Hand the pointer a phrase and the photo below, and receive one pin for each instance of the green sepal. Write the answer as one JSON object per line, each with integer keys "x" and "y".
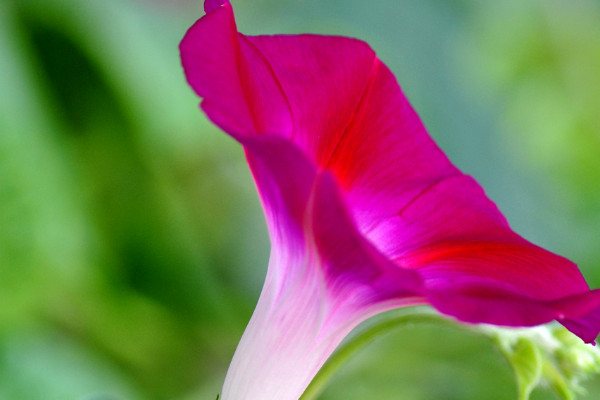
{"x": 526, "y": 361}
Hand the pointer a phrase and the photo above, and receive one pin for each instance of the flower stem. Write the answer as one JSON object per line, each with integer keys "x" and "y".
{"x": 354, "y": 344}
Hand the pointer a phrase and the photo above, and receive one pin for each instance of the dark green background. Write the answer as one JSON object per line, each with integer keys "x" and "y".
{"x": 132, "y": 245}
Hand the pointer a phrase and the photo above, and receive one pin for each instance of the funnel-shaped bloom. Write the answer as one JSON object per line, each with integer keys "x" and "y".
{"x": 364, "y": 211}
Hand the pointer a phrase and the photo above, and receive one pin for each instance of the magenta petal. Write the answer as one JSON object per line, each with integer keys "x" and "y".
{"x": 348, "y": 258}
{"x": 305, "y": 207}
{"x": 586, "y": 327}
{"x": 480, "y": 304}
{"x": 364, "y": 211}
{"x": 211, "y": 5}
{"x": 241, "y": 94}
{"x": 459, "y": 242}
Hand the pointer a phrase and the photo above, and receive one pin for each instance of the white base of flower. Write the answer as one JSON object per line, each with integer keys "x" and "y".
{"x": 285, "y": 344}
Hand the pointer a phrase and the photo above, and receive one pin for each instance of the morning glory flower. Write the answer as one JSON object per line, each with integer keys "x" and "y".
{"x": 365, "y": 213}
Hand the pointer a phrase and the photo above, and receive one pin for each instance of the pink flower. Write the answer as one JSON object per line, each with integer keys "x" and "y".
{"x": 364, "y": 211}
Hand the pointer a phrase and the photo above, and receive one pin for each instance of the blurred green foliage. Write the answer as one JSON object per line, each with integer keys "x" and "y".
{"x": 132, "y": 247}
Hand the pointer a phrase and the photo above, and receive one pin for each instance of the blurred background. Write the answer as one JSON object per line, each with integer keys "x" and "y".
{"x": 132, "y": 244}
